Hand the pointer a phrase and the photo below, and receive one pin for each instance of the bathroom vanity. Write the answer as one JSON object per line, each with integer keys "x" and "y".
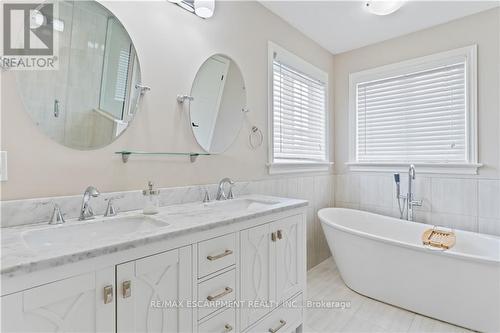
{"x": 227, "y": 266}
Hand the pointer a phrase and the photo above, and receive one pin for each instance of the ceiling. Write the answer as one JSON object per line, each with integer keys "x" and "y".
{"x": 341, "y": 26}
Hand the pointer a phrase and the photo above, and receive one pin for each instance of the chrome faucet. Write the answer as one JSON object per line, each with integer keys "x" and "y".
{"x": 409, "y": 201}
{"x": 86, "y": 212}
{"x": 221, "y": 194}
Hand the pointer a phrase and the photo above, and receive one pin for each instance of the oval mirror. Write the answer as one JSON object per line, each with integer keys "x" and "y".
{"x": 218, "y": 105}
{"x": 92, "y": 96}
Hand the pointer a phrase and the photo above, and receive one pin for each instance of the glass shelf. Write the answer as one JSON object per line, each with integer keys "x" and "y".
{"x": 126, "y": 154}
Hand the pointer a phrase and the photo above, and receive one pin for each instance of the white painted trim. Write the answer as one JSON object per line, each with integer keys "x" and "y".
{"x": 298, "y": 167}
{"x": 296, "y": 62}
{"x": 414, "y": 65}
{"x": 436, "y": 168}
{"x": 276, "y": 167}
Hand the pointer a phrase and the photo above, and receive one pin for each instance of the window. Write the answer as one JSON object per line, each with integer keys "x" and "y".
{"x": 420, "y": 111}
{"x": 298, "y": 114}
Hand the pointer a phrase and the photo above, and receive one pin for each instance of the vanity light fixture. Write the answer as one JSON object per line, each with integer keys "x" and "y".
{"x": 58, "y": 25}
{"x": 37, "y": 19}
{"x": 185, "y": 4}
{"x": 202, "y": 8}
{"x": 383, "y": 7}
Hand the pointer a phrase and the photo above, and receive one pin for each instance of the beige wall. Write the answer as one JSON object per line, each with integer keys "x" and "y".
{"x": 171, "y": 45}
{"x": 482, "y": 29}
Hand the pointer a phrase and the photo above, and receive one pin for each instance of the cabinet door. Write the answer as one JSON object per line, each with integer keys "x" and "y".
{"x": 290, "y": 256}
{"x": 150, "y": 292}
{"x": 76, "y": 304}
{"x": 256, "y": 272}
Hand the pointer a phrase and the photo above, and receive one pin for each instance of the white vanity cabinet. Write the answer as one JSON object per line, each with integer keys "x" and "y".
{"x": 146, "y": 286}
{"x": 83, "y": 303}
{"x": 272, "y": 266}
{"x": 256, "y": 273}
{"x": 290, "y": 257}
{"x": 258, "y": 265}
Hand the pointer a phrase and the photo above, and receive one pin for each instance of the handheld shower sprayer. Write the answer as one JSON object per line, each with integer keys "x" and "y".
{"x": 398, "y": 195}
{"x": 409, "y": 201}
{"x": 398, "y": 184}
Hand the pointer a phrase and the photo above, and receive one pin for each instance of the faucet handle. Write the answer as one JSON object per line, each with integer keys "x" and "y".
{"x": 206, "y": 197}
{"x": 417, "y": 203}
{"x": 230, "y": 194}
{"x": 57, "y": 217}
{"x": 110, "y": 209}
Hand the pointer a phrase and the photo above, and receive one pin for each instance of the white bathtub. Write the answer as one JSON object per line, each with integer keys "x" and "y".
{"x": 383, "y": 258}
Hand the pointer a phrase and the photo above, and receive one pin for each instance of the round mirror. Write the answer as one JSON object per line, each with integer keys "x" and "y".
{"x": 218, "y": 105}
{"x": 91, "y": 97}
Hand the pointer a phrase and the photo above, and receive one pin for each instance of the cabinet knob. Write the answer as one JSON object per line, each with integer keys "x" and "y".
{"x": 108, "y": 294}
{"x": 273, "y": 236}
{"x": 126, "y": 289}
{"x": 228, "y": 328}
{"x": 280, "y": 234}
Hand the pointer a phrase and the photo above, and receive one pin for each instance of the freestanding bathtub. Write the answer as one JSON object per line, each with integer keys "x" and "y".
{"x": 383, "y": 258}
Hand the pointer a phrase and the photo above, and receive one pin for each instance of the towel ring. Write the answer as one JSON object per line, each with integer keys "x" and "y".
{"x": 255, "y": 138}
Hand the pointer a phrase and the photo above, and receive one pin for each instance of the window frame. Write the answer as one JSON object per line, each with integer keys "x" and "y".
{"x": 411, "y": 66}
{"x": 283, "y": 167}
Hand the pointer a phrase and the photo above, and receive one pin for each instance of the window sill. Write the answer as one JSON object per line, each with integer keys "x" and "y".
{"x": 298, "y": 167}
{"x": 442, "y": 168}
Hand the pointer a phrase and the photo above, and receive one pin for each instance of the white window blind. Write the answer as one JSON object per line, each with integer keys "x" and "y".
{"x": 299, "y": 115}
{"x": 417, "y": 117}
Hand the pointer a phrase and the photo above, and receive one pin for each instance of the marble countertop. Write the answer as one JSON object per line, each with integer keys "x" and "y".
{"x": 17, "y": 257}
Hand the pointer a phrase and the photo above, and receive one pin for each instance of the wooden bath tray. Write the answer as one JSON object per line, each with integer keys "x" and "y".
{"x": 439, "y": 238}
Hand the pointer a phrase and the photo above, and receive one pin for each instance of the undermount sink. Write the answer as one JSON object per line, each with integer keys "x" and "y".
{"x": 241, "y": 204}
{"x": 91, "y": 231}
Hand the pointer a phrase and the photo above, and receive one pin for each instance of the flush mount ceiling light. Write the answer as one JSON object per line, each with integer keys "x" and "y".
{"x": 383, "y": 7}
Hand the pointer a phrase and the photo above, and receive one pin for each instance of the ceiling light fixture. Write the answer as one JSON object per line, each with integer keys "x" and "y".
{"x": 204, "y": 8}
{"x": 383, "y": 7}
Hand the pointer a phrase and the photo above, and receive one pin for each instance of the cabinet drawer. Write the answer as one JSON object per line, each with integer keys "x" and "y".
{"x": 224, "y": 322}
{"x": 215, "y": 292}
{"x": 216, "y": 254}
{"x": 284, "y": 319}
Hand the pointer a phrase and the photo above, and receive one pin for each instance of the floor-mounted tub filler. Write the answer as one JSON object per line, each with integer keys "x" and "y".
{"x": 384, "y": 258}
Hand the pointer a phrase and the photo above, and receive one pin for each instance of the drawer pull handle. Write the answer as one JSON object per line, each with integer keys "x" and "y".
{"x": 274, "y": 330}
{"x": 108, "y": 294}
{"x": 126, "y": 289}
{"x": 226, "y": 291}
{"x": 280, "y": 234}
{"x": 228, "y": 328}
{"x": 273, "y": 236}
{"x": 222, "y": 255}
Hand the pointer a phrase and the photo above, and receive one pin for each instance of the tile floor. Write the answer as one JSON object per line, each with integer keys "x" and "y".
{"x": 365, "y": 314}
